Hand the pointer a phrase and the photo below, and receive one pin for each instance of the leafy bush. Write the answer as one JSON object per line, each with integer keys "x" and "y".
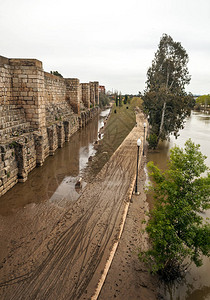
{"x": 178, "y": 233}
{"x": 152, "y": 141}
{"x": 103, "y": 100}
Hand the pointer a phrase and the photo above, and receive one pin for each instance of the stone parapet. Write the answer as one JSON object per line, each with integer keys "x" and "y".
{"x": 20, "y": 62}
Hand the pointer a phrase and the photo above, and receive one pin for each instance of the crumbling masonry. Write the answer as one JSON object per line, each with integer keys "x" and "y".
{"x": 38, "y": 113}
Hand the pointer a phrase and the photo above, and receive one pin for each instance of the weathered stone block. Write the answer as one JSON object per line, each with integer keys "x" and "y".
{"x": 60, "y": 133}
{"x": 2, "y": 172}
{"x": 53, "y": 139}
{"x": 67, "y": 130}
{"x": 4, "y": 179}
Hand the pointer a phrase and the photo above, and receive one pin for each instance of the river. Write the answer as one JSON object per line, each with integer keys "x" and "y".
{"x": 196, "y": 285}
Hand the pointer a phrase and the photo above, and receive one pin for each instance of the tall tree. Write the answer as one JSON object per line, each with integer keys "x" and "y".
{"x": 126, "y": 99}
{"x": 120, "y": 99}
{"x": 165, "y": 99}
{"x": 116, "y": 99}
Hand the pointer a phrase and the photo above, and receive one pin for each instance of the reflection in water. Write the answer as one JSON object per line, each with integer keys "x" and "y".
{"x": 55, "y": 180}
{"x": 202, "y": 294}
{"x": 198, "y": 129}
{"x": 196, "y": 285}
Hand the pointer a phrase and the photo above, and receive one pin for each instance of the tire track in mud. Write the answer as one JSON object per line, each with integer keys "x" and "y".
{"x": 79, "y": 245}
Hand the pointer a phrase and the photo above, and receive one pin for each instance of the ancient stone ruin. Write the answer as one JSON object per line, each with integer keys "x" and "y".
{"x": 38, "y": 113}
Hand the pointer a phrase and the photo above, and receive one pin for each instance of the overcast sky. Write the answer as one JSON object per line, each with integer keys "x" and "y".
{"x": 112, "y": 41}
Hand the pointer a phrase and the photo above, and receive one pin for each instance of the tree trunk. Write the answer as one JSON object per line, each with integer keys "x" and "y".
{"x": 162, "y": 120}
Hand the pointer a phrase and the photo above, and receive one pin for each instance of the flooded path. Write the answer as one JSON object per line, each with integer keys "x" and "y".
{"x": 30, "y": 210}
{"x": 196, "y": 285}
{"x": 55, "y": 180}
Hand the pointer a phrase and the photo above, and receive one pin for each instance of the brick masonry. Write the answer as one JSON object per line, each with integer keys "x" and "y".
{"x": 86, "y": 94}
{"x": 38, "y": 113}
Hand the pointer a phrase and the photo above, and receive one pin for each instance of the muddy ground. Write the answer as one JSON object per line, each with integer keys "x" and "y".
{"x": 128, "y": 278}
{"x": 49, "y": 252}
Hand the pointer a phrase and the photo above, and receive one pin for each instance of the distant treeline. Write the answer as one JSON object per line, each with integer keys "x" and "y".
{"x": 201, "y": 101}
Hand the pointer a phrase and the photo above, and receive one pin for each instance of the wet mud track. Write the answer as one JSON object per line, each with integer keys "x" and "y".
{"x": 70, "y": 260}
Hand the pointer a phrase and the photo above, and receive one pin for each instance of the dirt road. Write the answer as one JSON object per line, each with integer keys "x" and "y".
{"x": 128, "y": 278}
{"x": 70, "y": 260}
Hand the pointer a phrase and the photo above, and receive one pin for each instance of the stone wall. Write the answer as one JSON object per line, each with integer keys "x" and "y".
{"x": 38, "y": 113}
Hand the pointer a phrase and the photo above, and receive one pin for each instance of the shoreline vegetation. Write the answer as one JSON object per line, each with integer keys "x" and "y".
{"x": 115, "y": 111}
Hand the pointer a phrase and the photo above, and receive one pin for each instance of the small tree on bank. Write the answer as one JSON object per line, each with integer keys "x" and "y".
{"x": 165, "y": 99}
{"x": 177, "y": 231}
{"x": 103, "y": 100}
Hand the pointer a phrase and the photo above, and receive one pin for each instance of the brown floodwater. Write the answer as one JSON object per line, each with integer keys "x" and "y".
{"x": 196, "y": 285}
{"x": 54, "y": 182}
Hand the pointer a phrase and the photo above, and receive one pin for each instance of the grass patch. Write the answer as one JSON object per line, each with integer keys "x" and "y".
{"x": 119, "y": 125}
